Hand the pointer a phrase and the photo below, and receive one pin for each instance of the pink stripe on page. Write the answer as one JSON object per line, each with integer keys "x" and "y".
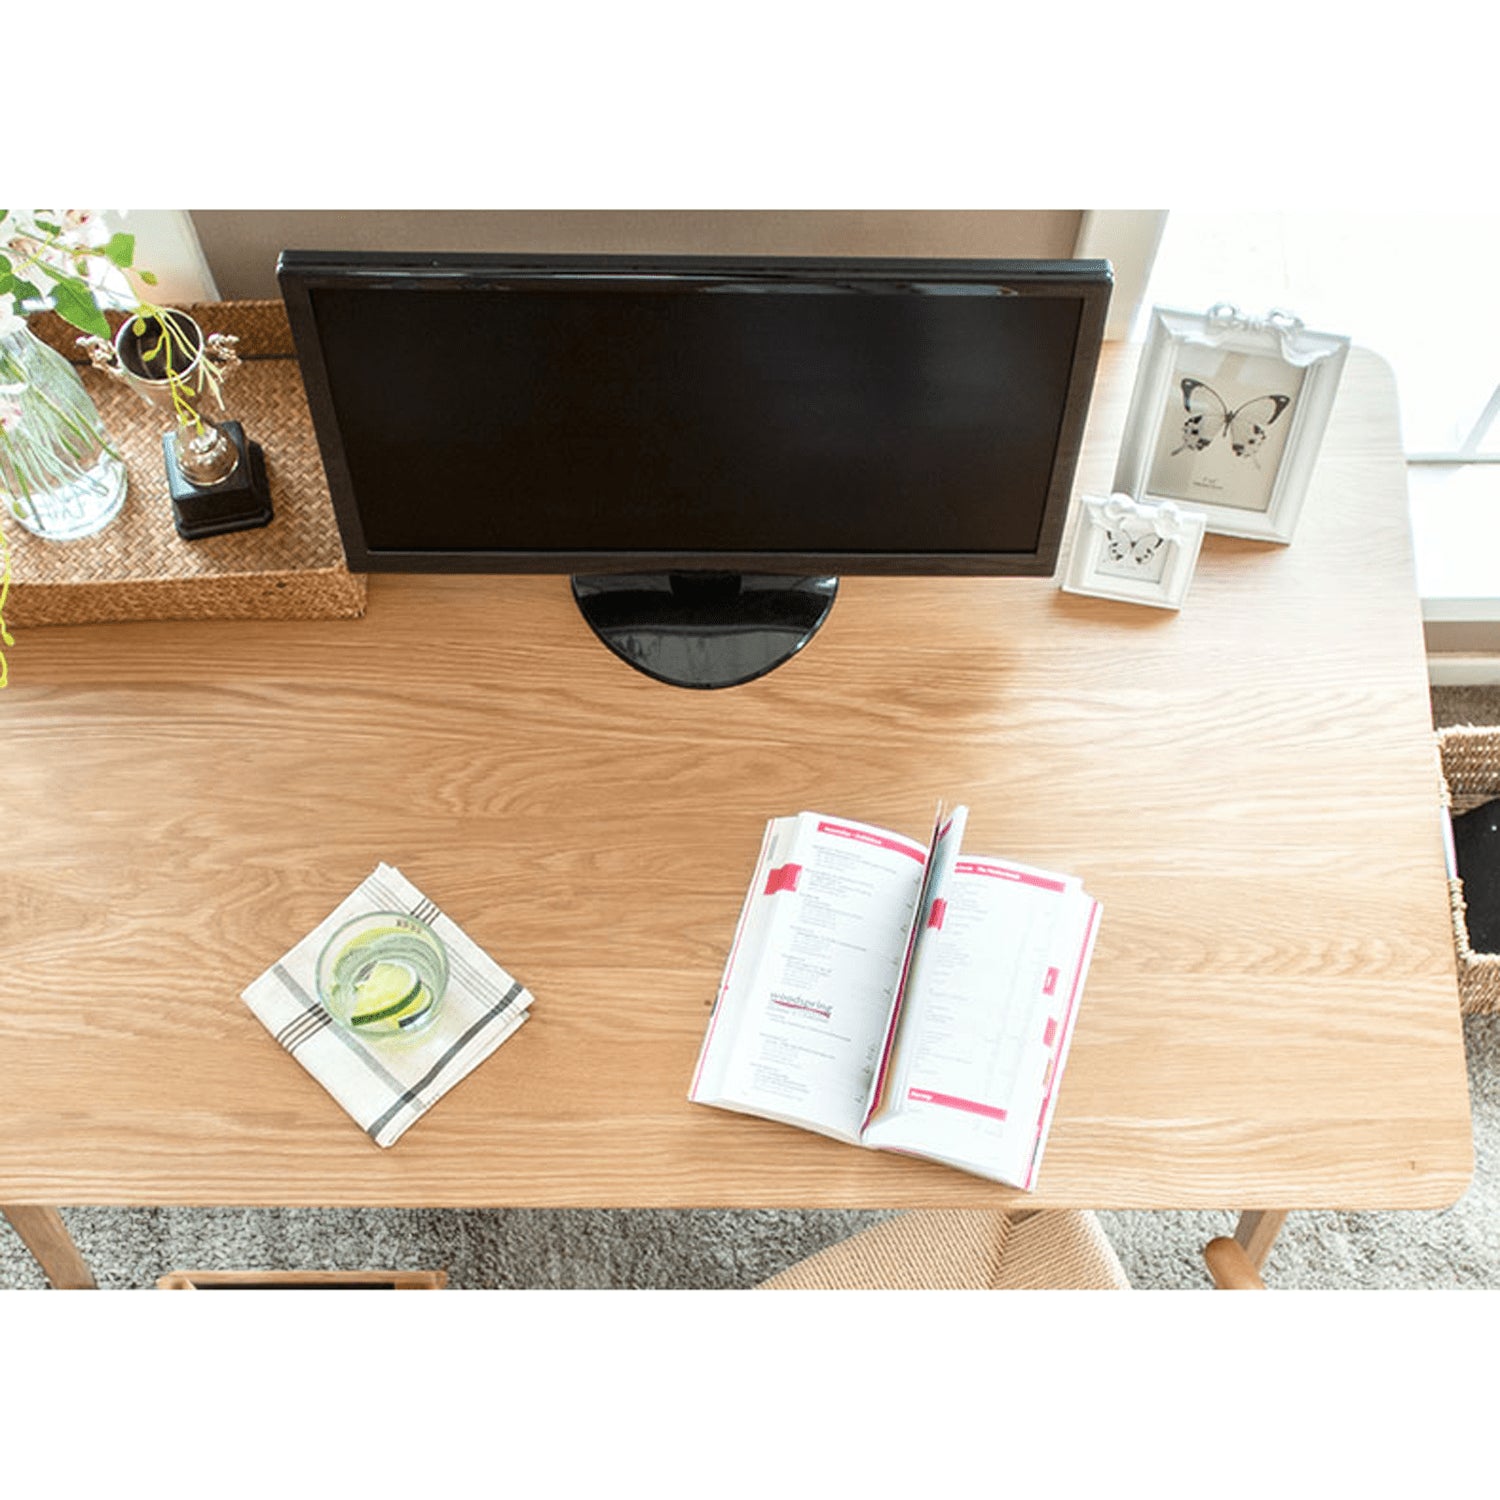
{"x": 971, "y": 1106}
{"x": 1050, "y": 987}
{"x": 938, "y": 912}
{"x": 1004, "y": 872}
{"x": 1050, "y": 1032}
{"x": 783, "y": 878}
{"x": 1055, "y": 1063}
{"x": 859, "y": 835}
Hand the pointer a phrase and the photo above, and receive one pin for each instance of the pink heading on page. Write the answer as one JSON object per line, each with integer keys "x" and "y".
{"x": 971, "y": 1106}
{"x": 938, "y": 912}
{"x": 1003, "y": 872}
{"x": 782, "y": 878}
{"x": 861, "y": 836}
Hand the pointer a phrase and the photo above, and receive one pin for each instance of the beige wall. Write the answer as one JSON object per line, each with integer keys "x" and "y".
{"x": 241, "y": 245}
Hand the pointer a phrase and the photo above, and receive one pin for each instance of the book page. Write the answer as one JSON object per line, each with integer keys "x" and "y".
{"x": 749, "y": 936}
{"x": 802, "y": 1019}
{"x": 982, "y": 1024}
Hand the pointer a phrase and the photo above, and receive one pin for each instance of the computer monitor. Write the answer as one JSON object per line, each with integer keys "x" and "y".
{"x": 704, "y": 443}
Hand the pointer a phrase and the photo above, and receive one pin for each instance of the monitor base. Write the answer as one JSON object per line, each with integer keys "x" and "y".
{"x": 701, "y": 629}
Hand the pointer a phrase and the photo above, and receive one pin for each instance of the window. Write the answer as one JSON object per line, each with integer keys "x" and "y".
{"x": 1417, "y": 288}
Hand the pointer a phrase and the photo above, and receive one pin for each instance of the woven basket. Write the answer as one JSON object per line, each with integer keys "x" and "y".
{"x": 137, "y": 567}
{"x": 1470, "y": 757}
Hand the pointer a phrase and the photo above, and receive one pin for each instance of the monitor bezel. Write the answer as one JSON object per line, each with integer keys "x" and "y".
{"x": 303, "y": 272}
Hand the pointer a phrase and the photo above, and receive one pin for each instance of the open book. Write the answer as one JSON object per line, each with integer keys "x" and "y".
{"x": 899, "y": 996}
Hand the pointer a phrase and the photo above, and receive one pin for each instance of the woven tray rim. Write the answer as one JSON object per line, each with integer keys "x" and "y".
{"x": 129, "y": 568}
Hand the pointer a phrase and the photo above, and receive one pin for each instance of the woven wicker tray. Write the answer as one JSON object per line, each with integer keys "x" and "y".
{"x": 1470, "y": 758}
{"x": 137, "y": 567}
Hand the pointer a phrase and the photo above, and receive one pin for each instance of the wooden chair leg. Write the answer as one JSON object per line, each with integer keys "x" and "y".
{"x": 1256, "y": 1232}
{"x": 43, "y": 1233}
{"x": 1230, "y": 1267}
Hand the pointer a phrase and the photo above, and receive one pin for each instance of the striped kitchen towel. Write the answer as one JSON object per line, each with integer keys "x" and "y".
{"x": 386, "y": 1085}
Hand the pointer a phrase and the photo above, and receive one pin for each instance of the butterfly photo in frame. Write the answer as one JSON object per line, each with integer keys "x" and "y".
{"x": 1133, "y": 551}
{"x": 1227, "y": 416}
{"x": 1209, "y": 417}
{"x": 1133, "y": 556}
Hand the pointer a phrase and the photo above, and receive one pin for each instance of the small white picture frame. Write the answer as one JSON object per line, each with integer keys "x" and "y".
{"x": 1227, "y": 416}
{"x": 1141, "y": 552}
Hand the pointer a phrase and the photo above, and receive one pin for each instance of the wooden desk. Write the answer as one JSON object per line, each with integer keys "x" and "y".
{"x": 1250, "y": 787}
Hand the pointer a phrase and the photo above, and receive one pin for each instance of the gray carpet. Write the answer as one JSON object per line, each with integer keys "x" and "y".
{"x": 131, "y": 1247}
{"x": 568, "y": 1248}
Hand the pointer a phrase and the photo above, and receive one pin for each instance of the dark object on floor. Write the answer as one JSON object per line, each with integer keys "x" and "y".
{"x": 1476, "y": 848}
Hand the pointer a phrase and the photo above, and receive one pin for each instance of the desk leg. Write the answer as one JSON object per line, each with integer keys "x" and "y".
{"x": 1256, "y": 1232}
{"x": 43, "y": 1233}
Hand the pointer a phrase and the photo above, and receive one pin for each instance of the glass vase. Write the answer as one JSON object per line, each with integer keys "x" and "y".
{"x": 58, "y": 475}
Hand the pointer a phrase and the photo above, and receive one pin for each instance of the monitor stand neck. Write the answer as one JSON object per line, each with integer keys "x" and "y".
{"x": 701, "y": 629}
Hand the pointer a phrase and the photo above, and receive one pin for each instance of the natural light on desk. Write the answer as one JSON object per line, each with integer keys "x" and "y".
{"x": 1417, "y": 289}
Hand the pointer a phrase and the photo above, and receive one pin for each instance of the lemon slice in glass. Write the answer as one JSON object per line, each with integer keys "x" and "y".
{"x": 386, "y": 992}
{"x": 383, "y": 974}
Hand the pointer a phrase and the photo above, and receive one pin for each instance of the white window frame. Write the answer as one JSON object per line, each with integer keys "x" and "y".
{"x": 1468, "y": 451}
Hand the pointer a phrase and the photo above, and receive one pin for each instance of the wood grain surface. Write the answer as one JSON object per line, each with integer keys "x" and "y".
{"x": 1249, "y": 786}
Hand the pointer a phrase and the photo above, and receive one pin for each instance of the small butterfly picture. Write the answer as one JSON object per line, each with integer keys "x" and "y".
{"x": 1121, "y": 547}
{"x": 1209, "y": 418}
{"x": 1135, "y": 551}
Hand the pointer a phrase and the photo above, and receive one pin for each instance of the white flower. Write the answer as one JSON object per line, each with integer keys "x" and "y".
{"x": 83, "y": 227}
{"x": 9, "y": 320}
{"x": 10, "y": 413}
{"x": 76, "y": 229}
{"x": 22, "y": 224}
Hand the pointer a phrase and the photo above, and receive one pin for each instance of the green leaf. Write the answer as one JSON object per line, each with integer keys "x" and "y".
{"x": 148, "y": 277}
{"x": 121, "y": 250}
{"x": 24, "y": 291}
{"x": 73, "y": 302}
{"x": 49, "y": 228}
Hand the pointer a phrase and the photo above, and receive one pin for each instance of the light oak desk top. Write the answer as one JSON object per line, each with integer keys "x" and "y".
{"x": 1250, "y": 787}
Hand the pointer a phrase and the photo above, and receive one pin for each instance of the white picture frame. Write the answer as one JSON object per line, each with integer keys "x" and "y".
{"x": 1227, "y": 416}
{"x": 1139, "y": 552}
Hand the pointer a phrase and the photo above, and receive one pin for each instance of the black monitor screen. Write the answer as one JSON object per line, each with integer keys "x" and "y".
{"x": 576, "y": 412}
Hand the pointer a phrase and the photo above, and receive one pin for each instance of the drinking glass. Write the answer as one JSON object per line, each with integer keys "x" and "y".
{"x": 383, "y": 974}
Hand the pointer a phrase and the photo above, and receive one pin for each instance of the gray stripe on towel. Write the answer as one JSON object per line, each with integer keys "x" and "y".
{"x": 442, "y": 1062}
{"x": 352, "y": 1043}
